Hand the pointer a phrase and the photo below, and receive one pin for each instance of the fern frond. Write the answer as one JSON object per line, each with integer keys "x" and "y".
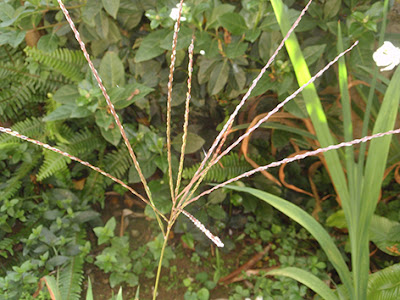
{"x": 13, "y": 185}
{"x": 83, "y": 142}
{"x": 95, "y": 187}
{"x": 53, "y": 162}
{"x": 65, "y": 61}
{"x": 232, "y": 167}
{"x": 117, "y": 162}
{"x": 71, "y": 278}
{"x": 33, "y": 127}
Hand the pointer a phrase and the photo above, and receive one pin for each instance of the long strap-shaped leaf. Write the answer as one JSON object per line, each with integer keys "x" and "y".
{"x": 308, "y": 279}
{"x": 313, "y": 103}
{"x": 316, "y": 112}
{"x": 310, "y": 224}
{"x": 374, "y": 169}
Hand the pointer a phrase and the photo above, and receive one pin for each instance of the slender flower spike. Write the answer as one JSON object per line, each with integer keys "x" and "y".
{"x": 387, "y": 56}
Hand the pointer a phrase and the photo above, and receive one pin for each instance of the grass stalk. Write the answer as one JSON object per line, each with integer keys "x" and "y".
{"x": 161, "y": 260}
{"x": 186, "y": 120}
{"x": 169, "y": 98}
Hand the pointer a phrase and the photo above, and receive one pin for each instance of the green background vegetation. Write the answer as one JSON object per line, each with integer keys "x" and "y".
{"x": 59, "y": 218}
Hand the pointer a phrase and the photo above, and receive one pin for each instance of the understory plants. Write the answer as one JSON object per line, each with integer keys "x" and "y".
{"x": 357, "y": 189}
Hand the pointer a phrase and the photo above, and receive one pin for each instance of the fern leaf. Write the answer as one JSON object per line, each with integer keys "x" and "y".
{"x": 70, "y": 279}
{"x": 232, "y": 166}
{"x": 83, "y": 142}
{"x": 53, "y": 162}
{"x": 117, "y": 162}
{"x": 65, "y": 61}
{"x": 14, "y": 184}
{"x": 33, "y": 128}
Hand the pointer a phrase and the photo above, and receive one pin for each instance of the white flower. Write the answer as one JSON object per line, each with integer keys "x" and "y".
{"x": 202, "y": 52}
{"x": 175, "y": 13}
{"x": 387, "y": 56}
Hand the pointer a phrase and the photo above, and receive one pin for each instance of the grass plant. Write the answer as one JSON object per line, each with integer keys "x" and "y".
{"x": 358, "y": 188}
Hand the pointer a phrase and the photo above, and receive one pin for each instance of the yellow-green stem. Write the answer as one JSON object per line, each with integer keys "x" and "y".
{"x": 161, "y": 259}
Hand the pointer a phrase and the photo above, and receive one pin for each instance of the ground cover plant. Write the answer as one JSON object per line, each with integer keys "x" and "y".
{"x": 57, "y": 244}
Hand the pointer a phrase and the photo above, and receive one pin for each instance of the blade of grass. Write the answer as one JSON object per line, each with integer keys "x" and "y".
{"x": 308, "y": 279}
{"x": 313, "y": 103}
{"x": 309, "y": 223}
{"x": 371, "y": 94}
{"x": 374, "y": 170}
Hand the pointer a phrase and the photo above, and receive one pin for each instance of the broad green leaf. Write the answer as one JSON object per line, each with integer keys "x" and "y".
{"x": 205, "y": 67}
{"x": 239, "y": 76}
{"x": 267, "y": 44}
{"x": 90, "y": 10}
{"x": 309, "y": 223}
{"x": 111, "y": 7}
{"x": 384, "y": 284}
{"x": 60, "y": 113}
{"x": 263, "y": 85}
{"x": 385, "y": 234}
{"x": 331, "y": 8}
{"x": 252, "y": 35}
{"x": 148, "y": 167}
{"x": 184, "y": 39}
{"x": 219, "y": 10}
{"x": 112, "y": 70}
{"x": 122, "y": 97}
{"x": 48, "y": 43}
{"x": 112, "y": 135}
{"x": 66, "y": 94}
{"x": 313, "y": 53}
{"x": 179, "y": 94}
{"x": 235, "y": 49}
{"x": 57, "y": 260}
{"x": 12, "y": 37}
{"x": 7, "y": 13}
{"x": 308, "y": 279}
{"x": 233, "y": 22}
{"x": 102, "y": 24}
{"x": 103, "y": 119}
{"x": 194, "y": 143}
{"x": 218, "y": 77}
{"x": 150, "y": 46}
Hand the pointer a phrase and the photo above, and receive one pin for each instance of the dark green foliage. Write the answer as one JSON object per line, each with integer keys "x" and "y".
{"x": 22, "y": 86}
{"x": 117, "y": 162}
{"x": 67, "y": 62}
{"x": 70, "y": 279}
{"x": 232, "y": 166}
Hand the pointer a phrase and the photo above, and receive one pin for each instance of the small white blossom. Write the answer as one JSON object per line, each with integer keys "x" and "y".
{"x": 202, "y": 52}
{"x": 175, "y": 13}
{"x": 387, "y": 56}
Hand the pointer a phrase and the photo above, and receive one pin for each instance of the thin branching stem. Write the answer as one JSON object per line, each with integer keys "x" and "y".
{"x": 277, "y": 108}
{"x": 85, "y": 163}
{"x": 111, "y": 107}
{"x": 244, "y": 99}
{"x": 294, "y": 158}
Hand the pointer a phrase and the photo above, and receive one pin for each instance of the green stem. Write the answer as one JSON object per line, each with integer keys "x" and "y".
{"x": 161, "y": 260}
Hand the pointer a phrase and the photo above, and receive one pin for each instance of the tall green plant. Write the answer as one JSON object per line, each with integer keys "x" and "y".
{"x": 181, "y": 198}
{"x": 358, "y": 191}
